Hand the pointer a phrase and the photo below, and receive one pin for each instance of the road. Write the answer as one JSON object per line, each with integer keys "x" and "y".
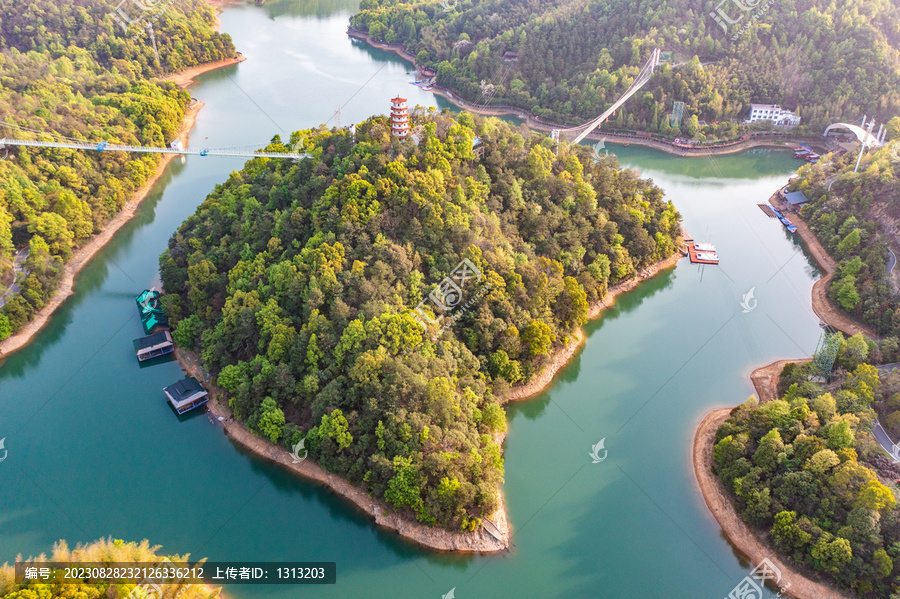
{"x": 885, "y": 441}
{"x": 19, "y": 270}
{"x": 891, "y": 262}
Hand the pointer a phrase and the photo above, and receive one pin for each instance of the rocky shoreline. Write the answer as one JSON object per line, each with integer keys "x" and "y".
{"x": 405, "y": 525}
{"x": 431, "y": 537}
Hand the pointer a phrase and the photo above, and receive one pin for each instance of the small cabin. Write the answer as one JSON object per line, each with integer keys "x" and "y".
{"x": 153, "y": 346}
{"x": 186, "y": 394}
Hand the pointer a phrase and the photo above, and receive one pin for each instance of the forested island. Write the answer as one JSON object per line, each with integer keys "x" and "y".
{"x": 71, "y": 69}
{"x": 321, "y": 293}
{"x": 567, "y": 63}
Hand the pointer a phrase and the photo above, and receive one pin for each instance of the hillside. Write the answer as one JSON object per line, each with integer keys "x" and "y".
{"x": 380, "y": 299}
{"x": 71, "y": 70}
{"x": 805, "y": 472}
{"x": 858, "y": 222}
{"x": 574, "y": 58}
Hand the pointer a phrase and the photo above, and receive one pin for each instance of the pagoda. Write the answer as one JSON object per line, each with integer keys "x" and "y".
{"x": 399, "y": 117}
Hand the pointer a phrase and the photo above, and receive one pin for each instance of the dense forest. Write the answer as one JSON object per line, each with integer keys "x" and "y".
{"x": 379, "y": 299}
{"x": 573, "y": 59}
{"x": 73, "y": 70}
{"x": 104, "y": 551}
{"x": 856, "y": 221}
{"x": 806, "y": 471}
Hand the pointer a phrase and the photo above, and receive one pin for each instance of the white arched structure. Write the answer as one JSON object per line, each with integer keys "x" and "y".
{"x": 862, "y": 135}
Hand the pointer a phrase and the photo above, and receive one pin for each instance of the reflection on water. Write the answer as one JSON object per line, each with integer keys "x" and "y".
{"x": 104, "y": 454}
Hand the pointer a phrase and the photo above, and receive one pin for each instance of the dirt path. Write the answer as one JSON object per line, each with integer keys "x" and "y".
{"x": 739, "y": 534}
{"x": 820, "y": 303}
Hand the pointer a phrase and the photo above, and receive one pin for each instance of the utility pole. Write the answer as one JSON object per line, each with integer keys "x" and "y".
{"x": 864, "y": 141}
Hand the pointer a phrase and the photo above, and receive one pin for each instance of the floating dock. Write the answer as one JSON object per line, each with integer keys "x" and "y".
{"x": 701, "y": 253}
{"x": 153, "y": 346}
{"x": 186, "y": 394}
{"x": 767, "y": 210}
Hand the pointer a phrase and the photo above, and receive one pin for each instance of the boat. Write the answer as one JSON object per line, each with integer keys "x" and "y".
{"x": 186, "y": 395}
{"x": 787, "y": 223}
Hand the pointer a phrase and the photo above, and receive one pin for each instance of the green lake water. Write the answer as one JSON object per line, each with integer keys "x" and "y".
{"x": 95, "y": 451}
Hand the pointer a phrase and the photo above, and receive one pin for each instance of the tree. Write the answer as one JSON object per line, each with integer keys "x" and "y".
{"x": 884, "y": 565}
{"x": 849, "y": 243}
{"x": 840, "y": 435}
{"x": 336, "y": 427}
{"x": 875, "y": 496}
{"x": 230, "y": 377}
{"x": 769, "y": 447}
{"x": 188, "y": 332}
{"x": 821, "y": 462}
{"x": 831, "y": 555}
{"x": 403, "y": 489}
{"x": 495, "y": 417}
{"x": 847, "y": 295}
{"x": 537, "y": 337}
{"x": 271, "y": 420}
{"x": 5, "y": 327}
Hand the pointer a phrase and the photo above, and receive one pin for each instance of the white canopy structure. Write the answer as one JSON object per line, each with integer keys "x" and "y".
{"x": 862, "y": 135}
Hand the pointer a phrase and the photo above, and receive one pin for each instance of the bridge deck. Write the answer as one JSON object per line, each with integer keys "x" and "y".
{"x": 150, "y": 149}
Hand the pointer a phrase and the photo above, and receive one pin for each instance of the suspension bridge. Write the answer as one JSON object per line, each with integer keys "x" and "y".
{"x": 59, "y": 141}
{"x": 581, "y": 131}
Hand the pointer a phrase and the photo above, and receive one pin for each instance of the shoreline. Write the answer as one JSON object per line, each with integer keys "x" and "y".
{"x": 385, "y": 516}
{"x": 820, "y": 302}
{"x": 83, "y": 255}
{"x": 776, "y": 142}
{"x": 765, "y": 381}
{"x": 736, "y": 530}
{"x": 564, "y": 355}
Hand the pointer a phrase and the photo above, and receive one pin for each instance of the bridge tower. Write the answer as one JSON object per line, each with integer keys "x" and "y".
{"x": 825, "y": 354}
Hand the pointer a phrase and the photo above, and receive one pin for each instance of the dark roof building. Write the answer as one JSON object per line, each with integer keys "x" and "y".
{"x": 186, "y": 395}
{"x": 151, "y": 346}
{"x": 796, "y": 197}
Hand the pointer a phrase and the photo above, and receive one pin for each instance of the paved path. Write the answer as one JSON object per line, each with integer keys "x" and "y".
{"x": 885, "y": 441}
{"x": 891, "y": 262}
{"x": 19, "y": 271}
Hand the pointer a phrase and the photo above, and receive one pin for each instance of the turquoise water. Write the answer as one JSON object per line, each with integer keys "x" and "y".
{"x": 95, "y": 451}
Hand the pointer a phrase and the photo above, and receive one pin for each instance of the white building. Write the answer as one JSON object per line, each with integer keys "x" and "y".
{"x": 774, "y": 113}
